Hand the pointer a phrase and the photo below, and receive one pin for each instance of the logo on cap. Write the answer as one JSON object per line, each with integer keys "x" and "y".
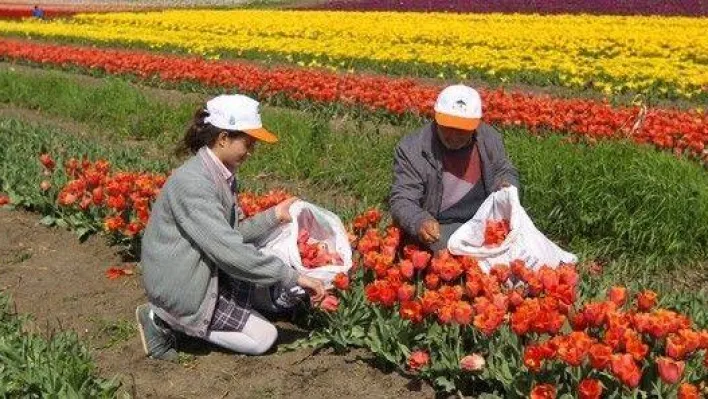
{"x": 460, "y": 105}
{"x": 232, "y": 120}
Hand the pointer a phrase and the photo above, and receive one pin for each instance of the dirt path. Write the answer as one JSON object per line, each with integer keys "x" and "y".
{"x": 61, "y": 282}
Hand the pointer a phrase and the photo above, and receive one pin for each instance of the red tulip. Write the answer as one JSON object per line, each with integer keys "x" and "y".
{"x": 589, "y": 389}
{"x": 463, "y": 313}
{"x": 626, "y": 370}
{"x": 341, "y": 281}
{"x": 47, "y": 162}
{"x": 420, "y": 259}
{"x": 113, "y": 223}
{"x": 688, "y": 391}
{"x": 473, "y": 362}
{"x": 67, "y": 199}
{"x": 618, "y": 295}
{"x": 418, "y": 359}
{"x": 670, "y": 129}
{"x": 329, "y": 304}
{"x": 600, "y": 356}
{"x": 407, "y": 269}
{"x": 432, "y": 281}
{"x": 646, "y": 300}
{"x": 406, "y": 292}
{"x": 543, "y": 391}
{"x": 412, "y": 311}
{"x": 85, "y": 203}
{"x": 495, "y": 232}
{"x": 133, "y": 228}
{"x": 670, "y": 370}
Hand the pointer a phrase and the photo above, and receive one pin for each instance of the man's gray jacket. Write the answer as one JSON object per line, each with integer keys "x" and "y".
{"x": 416, "y": 193}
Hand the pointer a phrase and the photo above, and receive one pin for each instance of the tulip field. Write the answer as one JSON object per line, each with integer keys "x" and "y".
{"x": 692, "y": 8}
{"x": 601, "y": 107}
{"x": 663, "y": 57}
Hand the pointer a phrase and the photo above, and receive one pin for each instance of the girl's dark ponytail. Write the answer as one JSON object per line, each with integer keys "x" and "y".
{"x": 199, "y": 134}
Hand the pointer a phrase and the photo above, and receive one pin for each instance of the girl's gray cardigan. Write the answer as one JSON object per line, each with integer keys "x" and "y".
{"x": 188, "y": 238}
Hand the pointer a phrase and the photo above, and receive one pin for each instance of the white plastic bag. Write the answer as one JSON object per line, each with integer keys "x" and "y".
{"x": 524, "y": 240}
{"x": 323, "y": 226}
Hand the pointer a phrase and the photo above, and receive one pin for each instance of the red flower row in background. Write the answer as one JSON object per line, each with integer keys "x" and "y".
{"x": 18, "y": 11}
{"x": 680, "y": 131}
{"x": 251, "y": 203}
{"x": 122, "y": 200}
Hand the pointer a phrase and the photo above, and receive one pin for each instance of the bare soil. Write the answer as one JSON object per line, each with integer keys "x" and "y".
{"x": 61, "y": 282}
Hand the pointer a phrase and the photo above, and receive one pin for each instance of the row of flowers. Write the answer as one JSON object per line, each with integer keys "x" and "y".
{"x": 9, "y": 11}
{"x": 661, "y": 56}
{"x": 115, "y": 202}
{"x": 61, "y": 9}
{"x": 628, "y": 7}
{"x": 561, "y": 343}
{"x": 675, "y": 130}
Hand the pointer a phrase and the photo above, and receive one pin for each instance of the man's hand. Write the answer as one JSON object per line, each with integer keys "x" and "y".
{"x": 282, "y": 210}
{"x": 502, "y": 184}
{"x": 429, "y": 232}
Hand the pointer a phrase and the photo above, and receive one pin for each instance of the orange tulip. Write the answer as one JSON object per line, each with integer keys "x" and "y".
{"x": 626, "y": 370}
{"x": 600, "y": 356}
{"x": 341, "y": 281}
{"x": 646, "y": 300}
{"x": 463, "y": 313}
{"x": 688, "y": 391}
{"x": 589, "y": 389}
{"x": 412, "y": 311}
{"x": 543, "y": 391}
{"x": 618, "y": 295}
{"x": 418, "y": 359}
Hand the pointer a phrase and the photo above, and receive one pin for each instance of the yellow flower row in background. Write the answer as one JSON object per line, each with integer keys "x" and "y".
{"x": 608, "y": 52}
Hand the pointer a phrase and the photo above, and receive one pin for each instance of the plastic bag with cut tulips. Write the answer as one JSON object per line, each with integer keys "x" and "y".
{"x": 315, "y": 243}
{"x": 501, "y": 231}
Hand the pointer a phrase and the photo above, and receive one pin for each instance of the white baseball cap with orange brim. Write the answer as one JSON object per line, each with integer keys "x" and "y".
{"x": 459, "y": 107}
{"x": 238, "y": 112}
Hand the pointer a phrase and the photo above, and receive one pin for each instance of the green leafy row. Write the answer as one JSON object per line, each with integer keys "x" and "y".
{"x": 32, "y": 366}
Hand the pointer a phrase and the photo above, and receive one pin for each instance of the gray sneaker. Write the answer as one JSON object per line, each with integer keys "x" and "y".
{"x": 158, "y": 341}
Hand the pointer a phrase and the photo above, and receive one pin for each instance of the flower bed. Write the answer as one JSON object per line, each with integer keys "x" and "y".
{"x": 679, "y": 131}
{"x": 511, "y": 333}
{"x": 515, "y": 331}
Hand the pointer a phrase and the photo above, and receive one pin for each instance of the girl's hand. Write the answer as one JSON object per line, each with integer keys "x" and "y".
{"x": 313, "y": 286}
{"x": 282, "y": 210}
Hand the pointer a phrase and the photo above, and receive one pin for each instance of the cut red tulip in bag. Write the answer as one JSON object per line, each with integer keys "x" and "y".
{"x": 315, "y": 243}
{"x": 501, "y": 231}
